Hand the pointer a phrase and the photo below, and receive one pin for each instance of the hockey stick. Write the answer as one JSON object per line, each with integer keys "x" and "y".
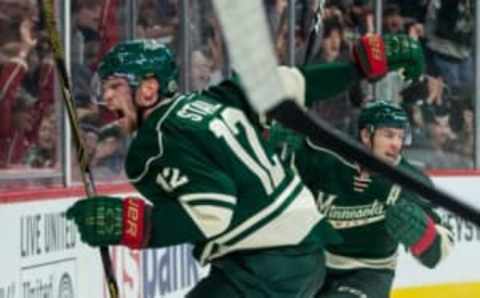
{"x": 257, "y": 67}
{"x": 47, "y": 14}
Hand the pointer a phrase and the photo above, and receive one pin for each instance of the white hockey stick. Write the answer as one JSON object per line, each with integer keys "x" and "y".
{"x": 251, "y": 52}
{"x": 248, "y": 37}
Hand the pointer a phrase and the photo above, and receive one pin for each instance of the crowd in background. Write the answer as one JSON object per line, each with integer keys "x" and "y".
{"x": 440, "y": 106}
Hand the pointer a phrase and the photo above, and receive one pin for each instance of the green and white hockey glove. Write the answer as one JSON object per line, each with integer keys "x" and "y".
{"x": 407, "y": 223}
{"x": 104, "y": 221}
{"x": 404, "y": 54}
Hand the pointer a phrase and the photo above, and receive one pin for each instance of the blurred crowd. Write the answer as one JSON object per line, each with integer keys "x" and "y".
{"x": 440, "y": 106}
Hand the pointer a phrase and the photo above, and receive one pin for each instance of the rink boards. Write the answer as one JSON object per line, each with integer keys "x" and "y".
{"x": 42, "y": 256}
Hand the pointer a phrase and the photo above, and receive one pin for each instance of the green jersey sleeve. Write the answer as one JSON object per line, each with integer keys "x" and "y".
{"x": 324, "y": 81}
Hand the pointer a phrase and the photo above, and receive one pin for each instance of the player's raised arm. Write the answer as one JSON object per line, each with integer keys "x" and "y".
{"x": 372, "y": 57}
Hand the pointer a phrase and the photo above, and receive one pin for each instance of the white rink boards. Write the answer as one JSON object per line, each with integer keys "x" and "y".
{"x": 42, "y": 256}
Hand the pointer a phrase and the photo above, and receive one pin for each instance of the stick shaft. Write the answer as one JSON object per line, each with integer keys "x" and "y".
{"x": 47, "y": 12}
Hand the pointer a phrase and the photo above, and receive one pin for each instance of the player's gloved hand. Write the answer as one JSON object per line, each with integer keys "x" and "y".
{"x": 369, "y": 55}
{"x": 404, "y": 54}
{"x": 104, "y": 221}
{"x": 407, "y": 223}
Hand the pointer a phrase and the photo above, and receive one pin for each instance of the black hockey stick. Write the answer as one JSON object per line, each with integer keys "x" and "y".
{"x": 46, "y": 8}
{"x": 254, "y": 60}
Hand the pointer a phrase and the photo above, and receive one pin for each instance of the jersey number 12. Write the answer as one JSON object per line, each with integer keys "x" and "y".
{"x": 233, "y": 123}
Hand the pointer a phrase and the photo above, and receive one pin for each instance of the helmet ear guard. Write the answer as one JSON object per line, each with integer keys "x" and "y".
{"x": 136, "y": 60}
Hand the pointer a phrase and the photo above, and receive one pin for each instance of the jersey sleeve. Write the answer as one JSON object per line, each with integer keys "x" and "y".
{"x": 324, "y": 81}
{"x": 193, "y": 200}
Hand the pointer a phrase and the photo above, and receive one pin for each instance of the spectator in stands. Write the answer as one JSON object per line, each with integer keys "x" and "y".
{"x": 333, "y": 47}
{"x": 110, "y": 153}
{"x": 442, "y": 139}
{"x": 158, "y": 19}
{"x": 43, "y": 154}
{"x": 86, "y": 105}
{"x": 418, "y": 126}
{"x": 95, "y": 29}
{"x": 89, "y": 130}
{"x": 276, "y": 10}
{"x": 358, "y": 19}
{"x": 207, "y": 60}
{"x": 449, "y": 32}
{"x": 14, "y": 142}
{"x": 216, "y": 49}
{"x": 89, "y": 126}
{"x": 393, "y": 21}
{"x": 465, "y": 143}
{"x": 414, "y": 10}
{"x": 87, "y": 14}
{"x": 437, "y": 100}
{"x": 201, "y": 70}
{"x": 17, "y": 44}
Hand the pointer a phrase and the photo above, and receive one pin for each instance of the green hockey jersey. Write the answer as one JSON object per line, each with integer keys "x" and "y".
{"x": 213, "y": 181}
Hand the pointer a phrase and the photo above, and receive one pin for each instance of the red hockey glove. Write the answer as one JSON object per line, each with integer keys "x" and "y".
{"x": 369, "y": 55}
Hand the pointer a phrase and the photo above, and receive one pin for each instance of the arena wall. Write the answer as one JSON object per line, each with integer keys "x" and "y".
{"x": 42, "y": 255}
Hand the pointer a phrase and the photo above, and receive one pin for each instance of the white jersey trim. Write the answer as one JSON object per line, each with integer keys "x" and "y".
{"x": 211, "y": 219}
{"x": 343, "y": 262}
{"x": 277, "y": 232}
{"x": 209, "y": 196}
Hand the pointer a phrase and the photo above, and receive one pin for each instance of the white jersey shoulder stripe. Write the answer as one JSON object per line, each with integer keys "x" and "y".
{"x": 344, "y": 262}
{"x": 208, "y": 196}
{"x": 210, "y": 219}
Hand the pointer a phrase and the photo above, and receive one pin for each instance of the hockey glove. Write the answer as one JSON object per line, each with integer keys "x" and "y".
{"x": 407, "y": 223}
{"x": 369, "y": 55}
{"x": 404, "y": 54}
{"x": 104, "y": 221}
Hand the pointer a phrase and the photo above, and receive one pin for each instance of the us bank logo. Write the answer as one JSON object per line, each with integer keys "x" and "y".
{"x": 65, "y": 286}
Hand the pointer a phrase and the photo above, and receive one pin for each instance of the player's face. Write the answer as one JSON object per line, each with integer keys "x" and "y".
{"x": 118, "y": 97}
{"x": 386, "y": 143}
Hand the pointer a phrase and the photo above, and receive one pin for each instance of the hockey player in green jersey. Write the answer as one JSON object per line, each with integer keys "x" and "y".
{"x": 210, "y": 178}
{"x": 372, "y": 215}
